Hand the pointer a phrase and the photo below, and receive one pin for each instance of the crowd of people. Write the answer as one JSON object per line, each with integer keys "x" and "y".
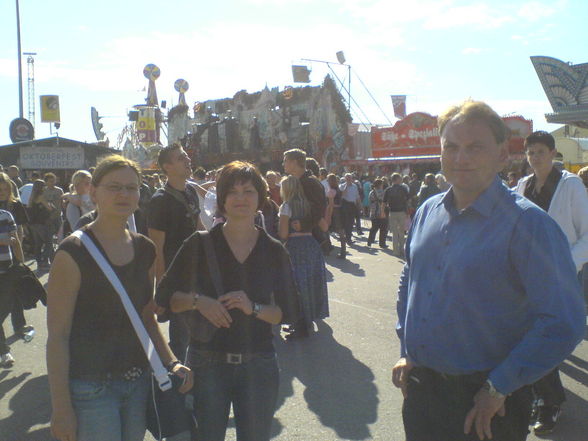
{"x": 488, "y": 305}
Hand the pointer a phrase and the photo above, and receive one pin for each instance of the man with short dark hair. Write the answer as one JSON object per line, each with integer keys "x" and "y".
{"x": 172, "y": 216}
{"x": 488, "y": 300}
{"x": 563, "y": 196}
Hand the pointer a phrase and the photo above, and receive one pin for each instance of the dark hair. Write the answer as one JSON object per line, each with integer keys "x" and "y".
{"x": 35, "y": 175}
{"x": 377, "y": 183}
{"x": 199, "y": 173}
{"x": 296, "y": 155}
{"x": 312, "y": 165}
{"x": 47, "y": 176}
{"x": 163, "y": 157}
{"x": 540, "y": 137}
{"x": 239, "y": 172}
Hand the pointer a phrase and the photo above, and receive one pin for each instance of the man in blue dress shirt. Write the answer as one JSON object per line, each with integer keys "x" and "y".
{"x": 488, "y": 300}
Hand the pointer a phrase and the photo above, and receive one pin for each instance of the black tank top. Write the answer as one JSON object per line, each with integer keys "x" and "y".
{"x": 102, "y": 339}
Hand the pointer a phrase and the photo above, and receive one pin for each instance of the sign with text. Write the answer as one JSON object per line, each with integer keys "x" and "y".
{"x": 51, "y": 158}
{"x": 417, "y": 134}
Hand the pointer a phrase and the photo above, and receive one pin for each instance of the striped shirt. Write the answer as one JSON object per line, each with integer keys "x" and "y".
{"x": 7, "y": 229}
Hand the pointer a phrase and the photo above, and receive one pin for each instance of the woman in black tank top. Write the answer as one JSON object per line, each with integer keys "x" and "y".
{"x": 99, "y": 375}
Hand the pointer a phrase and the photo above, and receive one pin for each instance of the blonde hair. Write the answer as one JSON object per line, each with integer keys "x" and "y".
{"x": 293, "y": 194}
{"x": 5, "y": 179}
{"x": 471, "y": 110}
{"x": 77, "y": 178}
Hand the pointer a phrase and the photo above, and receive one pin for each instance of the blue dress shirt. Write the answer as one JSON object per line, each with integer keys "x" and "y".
{"x": 489, "y": 288}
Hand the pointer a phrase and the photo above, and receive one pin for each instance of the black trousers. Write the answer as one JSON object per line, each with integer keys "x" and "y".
{"x": 6, "y": 306}
{"x": 348, "y": 211}
{"x": 380, "y": 225}
{"x": 549, "y": 389}
{"x": 436, "y": 407}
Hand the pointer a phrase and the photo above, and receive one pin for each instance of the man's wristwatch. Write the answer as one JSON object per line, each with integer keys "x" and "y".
{"x": 256, "y": 310}
{"x": 195, "y": 301}
{"x": 489, "y": 387}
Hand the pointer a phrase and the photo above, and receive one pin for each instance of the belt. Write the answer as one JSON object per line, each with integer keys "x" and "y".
{"x": 479, "y": 376}
{"x": 130, "y": 375}
{"x": 229, "y": 357}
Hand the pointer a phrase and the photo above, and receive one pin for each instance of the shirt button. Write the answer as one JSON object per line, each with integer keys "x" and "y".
{"x": 446, "y": 243}
{"x": 429, "y": 293}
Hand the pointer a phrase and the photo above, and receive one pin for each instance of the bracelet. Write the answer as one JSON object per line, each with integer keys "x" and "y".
{"x": 171, "y": 365}
{"x": 195, "y": 301}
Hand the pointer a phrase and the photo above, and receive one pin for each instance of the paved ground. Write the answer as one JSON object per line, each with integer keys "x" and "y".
{"x": 334, "y": 386}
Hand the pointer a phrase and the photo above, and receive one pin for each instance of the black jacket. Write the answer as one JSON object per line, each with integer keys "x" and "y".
{"x": 26, "y": 286}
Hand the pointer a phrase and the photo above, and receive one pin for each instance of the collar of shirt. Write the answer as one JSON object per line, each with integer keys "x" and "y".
{"x": 484, "y": 204}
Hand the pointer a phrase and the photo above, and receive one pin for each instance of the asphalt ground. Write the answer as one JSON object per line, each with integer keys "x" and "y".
{"x": 335, "y": 385}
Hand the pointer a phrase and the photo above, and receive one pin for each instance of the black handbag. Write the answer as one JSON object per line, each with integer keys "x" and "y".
{"x": 200, "y": 327}
{"x": 169, "y": 412}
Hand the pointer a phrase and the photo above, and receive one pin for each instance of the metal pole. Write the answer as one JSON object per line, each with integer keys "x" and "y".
{"x": 349, "y": 90}
{"x": 20, "y": 103}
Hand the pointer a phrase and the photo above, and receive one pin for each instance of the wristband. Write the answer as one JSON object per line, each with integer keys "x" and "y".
{"x": 171, "y": 365}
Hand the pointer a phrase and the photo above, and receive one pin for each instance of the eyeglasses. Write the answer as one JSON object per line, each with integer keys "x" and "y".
{"x": 117, "y": 188}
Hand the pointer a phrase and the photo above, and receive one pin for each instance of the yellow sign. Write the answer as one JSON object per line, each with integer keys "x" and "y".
{"x": 146, "y": 126}
{"x": 50, "y": 108}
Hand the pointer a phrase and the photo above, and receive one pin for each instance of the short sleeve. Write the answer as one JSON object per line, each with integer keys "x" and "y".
{"x": 285, "y": 291}
{"x": 157, "y": 213}
{"x": 285, "y": 210}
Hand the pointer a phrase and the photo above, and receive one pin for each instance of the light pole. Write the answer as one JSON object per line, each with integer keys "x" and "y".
{"x": 20, "y": 103}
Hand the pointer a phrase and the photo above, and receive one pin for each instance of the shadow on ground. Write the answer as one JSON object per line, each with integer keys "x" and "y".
{"x": 29, "y": 407}
{"x": 339, "y": 389}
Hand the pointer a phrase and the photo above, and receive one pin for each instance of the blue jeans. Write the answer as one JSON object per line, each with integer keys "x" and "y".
{"x": 112, "y": 410}
{"x": 251, "y": 387}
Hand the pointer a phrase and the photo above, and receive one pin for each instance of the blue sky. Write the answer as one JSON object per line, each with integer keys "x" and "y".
{"x": 436, "y": 52}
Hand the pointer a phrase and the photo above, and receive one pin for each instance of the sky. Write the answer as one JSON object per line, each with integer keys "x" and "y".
{"x": 437, "y": 52}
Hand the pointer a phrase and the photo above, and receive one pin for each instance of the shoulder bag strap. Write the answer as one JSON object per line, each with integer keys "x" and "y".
{"x": 159, "y": 371}
{"x": 212, "y": 261}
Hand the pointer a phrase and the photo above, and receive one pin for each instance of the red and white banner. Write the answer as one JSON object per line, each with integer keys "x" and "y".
{"x": 418, "y": 135}
{"x": 399, "y": 104}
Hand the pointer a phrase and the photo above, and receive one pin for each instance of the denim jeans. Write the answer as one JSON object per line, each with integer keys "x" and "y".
{"x": 251, "y": 387}
{"x": 112, "y": 410}
{"x": 43, "y": 234}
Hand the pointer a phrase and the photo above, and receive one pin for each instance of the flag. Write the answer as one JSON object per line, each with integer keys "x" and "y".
{"x": 399, "y": 104}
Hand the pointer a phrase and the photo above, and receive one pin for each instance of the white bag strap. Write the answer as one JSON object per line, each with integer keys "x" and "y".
{"x": 159, "y": 370}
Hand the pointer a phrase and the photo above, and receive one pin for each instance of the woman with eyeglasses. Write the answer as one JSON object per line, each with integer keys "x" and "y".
{"x": 99, "y": 376}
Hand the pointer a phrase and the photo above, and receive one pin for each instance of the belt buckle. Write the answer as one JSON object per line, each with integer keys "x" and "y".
{"x": 234, "y": 358}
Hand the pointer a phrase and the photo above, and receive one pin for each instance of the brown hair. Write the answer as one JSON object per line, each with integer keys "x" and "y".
{"x": 239, "y": 172}
{"x": 475, "y": 111}
{"x": 48, "y": 176}
{"x": 296, "y": 155}
{"x": 112, "y": 163}
{"x": 164, "y": 155}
